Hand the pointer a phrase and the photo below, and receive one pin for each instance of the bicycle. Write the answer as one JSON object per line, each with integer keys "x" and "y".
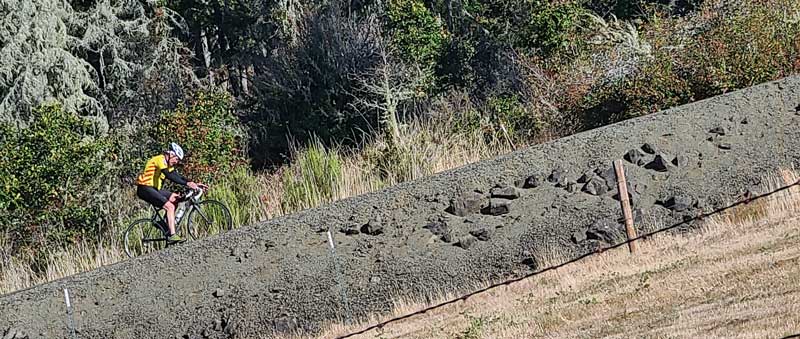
{"x": 204, "y": 218}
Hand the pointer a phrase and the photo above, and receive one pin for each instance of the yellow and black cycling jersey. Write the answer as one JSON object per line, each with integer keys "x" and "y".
{"x": 156, "y": 170}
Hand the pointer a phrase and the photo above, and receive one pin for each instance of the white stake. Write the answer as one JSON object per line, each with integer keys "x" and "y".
{"x": 70, "y": 321}
{"x": 330, "y": 240}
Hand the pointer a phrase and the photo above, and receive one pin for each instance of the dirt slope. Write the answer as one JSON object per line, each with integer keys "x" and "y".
{"x": 409, "y": 240}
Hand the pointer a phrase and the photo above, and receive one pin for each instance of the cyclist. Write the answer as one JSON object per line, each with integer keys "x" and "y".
{"x": 149, "y": 185}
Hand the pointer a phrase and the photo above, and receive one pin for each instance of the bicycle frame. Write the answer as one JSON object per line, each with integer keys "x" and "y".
{"x": 186, "y": 204}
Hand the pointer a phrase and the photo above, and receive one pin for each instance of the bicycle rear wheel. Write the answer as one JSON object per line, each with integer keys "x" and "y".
{"x": 142, "y": 237}
{"x": 209, "y": 217}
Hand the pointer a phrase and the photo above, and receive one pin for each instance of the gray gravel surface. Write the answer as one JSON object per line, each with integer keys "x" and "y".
{"x": 450, "y": 232}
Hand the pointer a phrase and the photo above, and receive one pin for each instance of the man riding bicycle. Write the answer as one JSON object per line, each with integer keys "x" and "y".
{"x": 149, "y": 185}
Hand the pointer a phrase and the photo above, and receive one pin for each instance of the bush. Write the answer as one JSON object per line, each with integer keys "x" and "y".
{"x": 208, "y": 131}
{"x": 415, "y": 32}
{"x": 52, "y": 176}
{"x": 312, "y": 179}
{"x": 757, "y": 43}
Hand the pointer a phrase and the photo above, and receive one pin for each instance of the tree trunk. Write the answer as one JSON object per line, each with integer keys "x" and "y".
{"x": 206, "y": 53}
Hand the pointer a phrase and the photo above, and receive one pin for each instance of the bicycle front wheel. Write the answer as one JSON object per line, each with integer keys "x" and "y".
{"x": 209, "y": 217}
{"x": 142, "y": 237}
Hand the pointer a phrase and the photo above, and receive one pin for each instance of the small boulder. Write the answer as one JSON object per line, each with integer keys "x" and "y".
{"x": 660, "y": 163}
{"x": 218, "y": 293}
{"x": 606, "y": 230}
{"x": 595, "y": 186}
{"x": 439, "y": 228}
{"x": 532, "y": 181}
{"x": 681, "y": 161}
{"x": 718, "y": 130}
{"x": 724, "y": 146}
{"x": 557, "y": 176}
{"x": 678, "y": 203}
{"x": 504, "y": 192}
{"x": 531, "y": 263}
{"x": 497, "y": 207}
{"x": 373, "y": 227}
{"x": 608, "y": 174}
{"x": 588, "y": 175}
{"x": 467, "y": 203}
{"x": 578, "y": 237}
{"x": 481, "y": 234}
{"x": 572, "y": 187}
{"x": 465, "y": 242}
{"x": 649, "y": 148}
{"x": 349, "y": 230}
{"x": 635, "y": 157}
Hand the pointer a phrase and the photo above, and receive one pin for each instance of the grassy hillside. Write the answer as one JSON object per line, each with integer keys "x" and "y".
{"x": 737, "y": 278}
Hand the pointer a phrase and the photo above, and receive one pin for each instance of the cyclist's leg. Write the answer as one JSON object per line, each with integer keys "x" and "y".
{"x": 169, "y": 206}
{"x": 152, "y": 196}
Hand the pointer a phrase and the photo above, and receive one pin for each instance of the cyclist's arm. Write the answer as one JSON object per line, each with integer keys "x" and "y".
{"x": 176, "y": 178}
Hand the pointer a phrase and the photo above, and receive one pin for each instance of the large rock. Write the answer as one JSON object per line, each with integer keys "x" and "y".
{"x": 578, "y": 237}
{"x": 678, "y": 203}
{"x": 595, "y": 186}
{"x": 504, "y": 192}
{"x": 661, "y": 163}
{"x": 681, "y": 161}
{"x": 649, "y": 148}
{"x": 439, "y": 228}
{"x": 606, "y": 230}
{"x": 497, "y": 207}
{"x": 532, "y": 181}
{"x": 467, "y": 203}
{"x": 558, "y": 176}
{"x": 481, "y": 234}
{"x": 635, "y": 157}
{"x": 465, "y": 242}
{"x": 373, "y": 227}
{"x": 608, "y": 173}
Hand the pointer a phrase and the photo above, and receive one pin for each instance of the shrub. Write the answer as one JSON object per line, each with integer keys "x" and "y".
{"x": 657, "y": 86}
{"x": 52, "y": 176}
{"x": 415, "y": 32}
{"x": 313, "y": 178}
{"x": 208, "y": 131}
{"x": 757, "y": 43}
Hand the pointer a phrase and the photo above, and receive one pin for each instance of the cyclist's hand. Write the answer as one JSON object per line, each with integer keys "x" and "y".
{"x": 203, "y": 186}
{"x": 192, "y": 185}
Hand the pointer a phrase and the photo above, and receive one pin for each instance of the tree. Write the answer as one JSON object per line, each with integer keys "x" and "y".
{"x": 36, "y": 63}
{"x": 383, "y": 89}
{"x": 141, "y": 67}
{"x": 53, "y": 175}
{"x": 306, "y": 88}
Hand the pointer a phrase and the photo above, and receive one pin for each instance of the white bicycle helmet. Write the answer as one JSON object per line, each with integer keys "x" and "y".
{"x": 175, "y": 148}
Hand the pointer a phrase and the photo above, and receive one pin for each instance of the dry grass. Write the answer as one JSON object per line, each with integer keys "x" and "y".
{"x": 737, "y": 278}
{"x": 17, "y": 274}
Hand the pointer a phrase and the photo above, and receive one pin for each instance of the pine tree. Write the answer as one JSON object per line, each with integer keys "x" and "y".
{"x": 36, "y": 64}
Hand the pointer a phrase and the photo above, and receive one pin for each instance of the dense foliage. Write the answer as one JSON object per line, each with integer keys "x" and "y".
{"x": 53, "y": 177}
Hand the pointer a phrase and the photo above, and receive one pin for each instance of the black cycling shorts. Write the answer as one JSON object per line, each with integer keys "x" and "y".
{"x": 155, "y": 197}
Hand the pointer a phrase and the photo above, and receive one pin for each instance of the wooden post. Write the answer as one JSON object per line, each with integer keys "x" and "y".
{"x": 626, "y": 204}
